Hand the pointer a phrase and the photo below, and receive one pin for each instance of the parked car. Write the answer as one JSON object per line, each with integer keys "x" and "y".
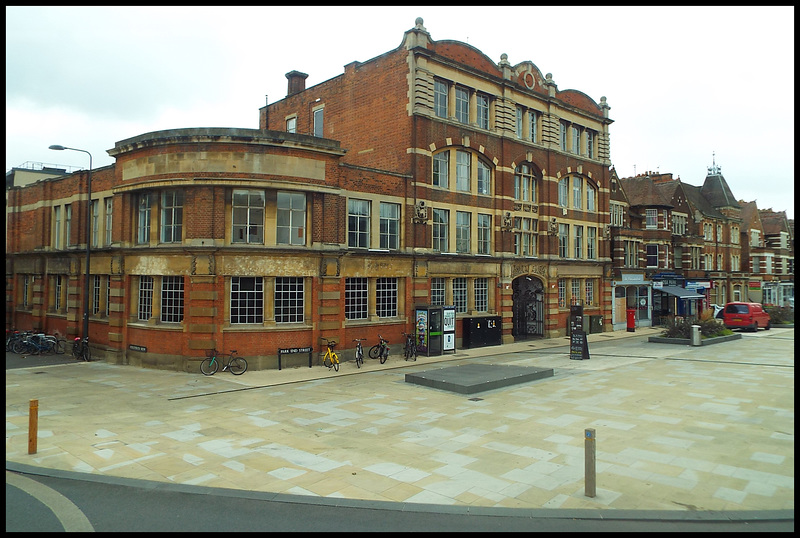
{"x": 746, "y": 316}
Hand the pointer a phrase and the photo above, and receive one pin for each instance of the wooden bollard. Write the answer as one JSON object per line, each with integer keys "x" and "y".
{"x": 33, "y": 426}
{"x": 590, "y": 458}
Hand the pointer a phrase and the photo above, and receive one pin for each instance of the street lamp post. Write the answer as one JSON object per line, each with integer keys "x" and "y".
{"x": 88, "y": 241}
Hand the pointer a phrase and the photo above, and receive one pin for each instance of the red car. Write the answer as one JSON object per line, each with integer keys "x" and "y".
{"x": 745, "y": 316}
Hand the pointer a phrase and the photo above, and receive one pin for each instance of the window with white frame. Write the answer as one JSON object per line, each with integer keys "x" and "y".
{"x": 358, "y": 219}
{"x": 652, "y": 255}
{"x": 678, "y": 257}
{"x": 463, "y": 171}
{"x": 651, "y": 216}
{"x": 562, "y": 292}
{"x": 518, "y": 124}
{"x": 289, "y": 300}
{"x": 591, "y": 197}
{"x": 386, "y": 297}
{"x": 109, "y": 219}
{"x": 631, "y": 253}
{"x": 578, "y": 241}
{"x": 247, "y": 223}
{"x": 389, "y": 226}
{"x": 172, "y": 299}
{"x": 590, "y": 144}
{"x": 665, "y": 218}
{"x": 617, "y": 214}
{"x": 68, "y": 224}
{"x": 589, "y": 300}
{"x": 481, "y": 287}
{"x": 755, "y": 238}
{"x": 172, "y": 216}
{"x": 482, "y": 103}
{"x": 696, "y": 257}
{"x": 57, "y": 227}
{"x": 484, "y": 234}
{"x": 577, "y": 193}
{"x": 735, "y": 235}
{"x": 679, "y": 224}
{"x": 319, "y": 119}
{"x": 462, "y": 104}
{"x": 719, "y": 262}
{"x": 441, "y": 169}
{"x": 59, "y": 290}
{"x": 440, "y": 89}
{"x": 95, "y": 295}
{"x": 533, "y": 119}
{"x": 575, "y": 297}
{"x": 737, "y": 292}
{"x": 247, "y": 300}
{"x": 719, "y": 232}
{"x": 525, "y": 234}
{"x": 26, "y": 291}
{"x": 562, "y": 131}
{"x": 591, "y": 242}
{"x": 95, "y": 223}
{"x": 575, "y": 146}
{"x": 563, "y": 240}
{"x": 484, "y": 178}
{"x": 708, "y": 261}
{"x": 145, "y": 298}
{"x": 291, "y": 124}
{"x": 462, "y": 231}
{"x": 290, "y": 218}
{"x": 440, "y": 230}
{"x": 708, "y": 231}
{"x": 107, "y": 308}
{"x": 143, "y": 219}
{"x": 563, "y": 192}
{"x": 768, "y": 264}
{"x": 525, "y": 183}
{"x": 460, "y": 294}
{"x": 355, "y": 298}
{"x": 437, "y": 291}
{"x": 735, "y": 261}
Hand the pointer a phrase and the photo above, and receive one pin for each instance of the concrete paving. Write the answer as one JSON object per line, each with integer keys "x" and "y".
{"x": 678, "y": 428}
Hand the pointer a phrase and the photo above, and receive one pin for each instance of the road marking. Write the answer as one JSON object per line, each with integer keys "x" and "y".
{"x": 70, "y": 516}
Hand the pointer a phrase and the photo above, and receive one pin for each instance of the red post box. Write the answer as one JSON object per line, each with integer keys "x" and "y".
{"x": 631, "y": 319}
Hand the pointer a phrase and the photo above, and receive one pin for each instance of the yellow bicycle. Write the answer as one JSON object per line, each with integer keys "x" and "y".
{"x": 330, "y": 359}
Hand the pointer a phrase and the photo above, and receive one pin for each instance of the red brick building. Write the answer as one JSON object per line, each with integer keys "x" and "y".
{"x": 427, "y": 176}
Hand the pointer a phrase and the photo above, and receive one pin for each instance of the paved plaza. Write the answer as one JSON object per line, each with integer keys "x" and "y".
{"x": 678, "y": 427}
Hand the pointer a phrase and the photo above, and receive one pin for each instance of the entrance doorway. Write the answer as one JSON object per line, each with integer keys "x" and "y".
{"x": 528, "y": 307}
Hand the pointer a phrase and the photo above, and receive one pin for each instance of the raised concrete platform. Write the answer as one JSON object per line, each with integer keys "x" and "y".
{"x": 472, "y": 378}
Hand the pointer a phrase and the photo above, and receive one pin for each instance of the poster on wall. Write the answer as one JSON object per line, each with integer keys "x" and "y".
{"x": 449, "y": 328}
{"x": 422, "y": 330}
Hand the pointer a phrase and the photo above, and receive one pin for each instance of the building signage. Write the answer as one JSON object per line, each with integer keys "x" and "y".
{"x": 578, "y": 346}
{"x": 295, "y": 349}
{"x": 137, "y": 348}
{"x": 755, "y": 285}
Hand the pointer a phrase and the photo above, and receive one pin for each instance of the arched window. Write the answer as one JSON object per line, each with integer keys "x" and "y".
{"x": 563, "y": 192}
{"x": 472, "y": 174}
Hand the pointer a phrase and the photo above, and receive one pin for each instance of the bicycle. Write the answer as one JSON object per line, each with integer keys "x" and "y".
{"x": 380, "y": 350}
{"x": 210, "y": 365}
{"x": 80, "y": 349}
{"x": 330, "y": 359}
{"x": 410, "y": 347}
{"x": 359, "y": 351}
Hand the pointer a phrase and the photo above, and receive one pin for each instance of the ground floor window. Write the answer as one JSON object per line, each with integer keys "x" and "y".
{"x": 247, "y": 300}
{"x": 172, "y": 299}
{"x": 289, "y": 300}
{"x": 145, "y": 302}
{"x": 386, "y": 297}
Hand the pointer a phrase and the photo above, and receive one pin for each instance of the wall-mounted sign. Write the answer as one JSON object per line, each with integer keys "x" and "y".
{"x": 137, "y": 348}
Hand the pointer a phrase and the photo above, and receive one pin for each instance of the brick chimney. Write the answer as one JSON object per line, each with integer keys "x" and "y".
{"x": 297, "y": 82}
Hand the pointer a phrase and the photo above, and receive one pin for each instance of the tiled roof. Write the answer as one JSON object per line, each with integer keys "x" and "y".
{"x": 642, "y": 191}
{"x": 715, "y": 189}
{"x": 750, "y": 215}
{"x": 699, "y": 202}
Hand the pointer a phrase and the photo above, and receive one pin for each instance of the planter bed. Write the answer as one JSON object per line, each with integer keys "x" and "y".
{"x": 688, "y": 341}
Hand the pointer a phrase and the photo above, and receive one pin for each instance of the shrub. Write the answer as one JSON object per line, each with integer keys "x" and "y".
{"x": 682, "y": 327}
{"x": 780, "y": 314}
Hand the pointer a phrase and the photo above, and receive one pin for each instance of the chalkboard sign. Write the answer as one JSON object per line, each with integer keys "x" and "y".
{"x": 578, "y": 346}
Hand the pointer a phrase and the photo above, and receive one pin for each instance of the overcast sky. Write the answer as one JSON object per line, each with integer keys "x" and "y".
{"x": 683, "y": 83}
